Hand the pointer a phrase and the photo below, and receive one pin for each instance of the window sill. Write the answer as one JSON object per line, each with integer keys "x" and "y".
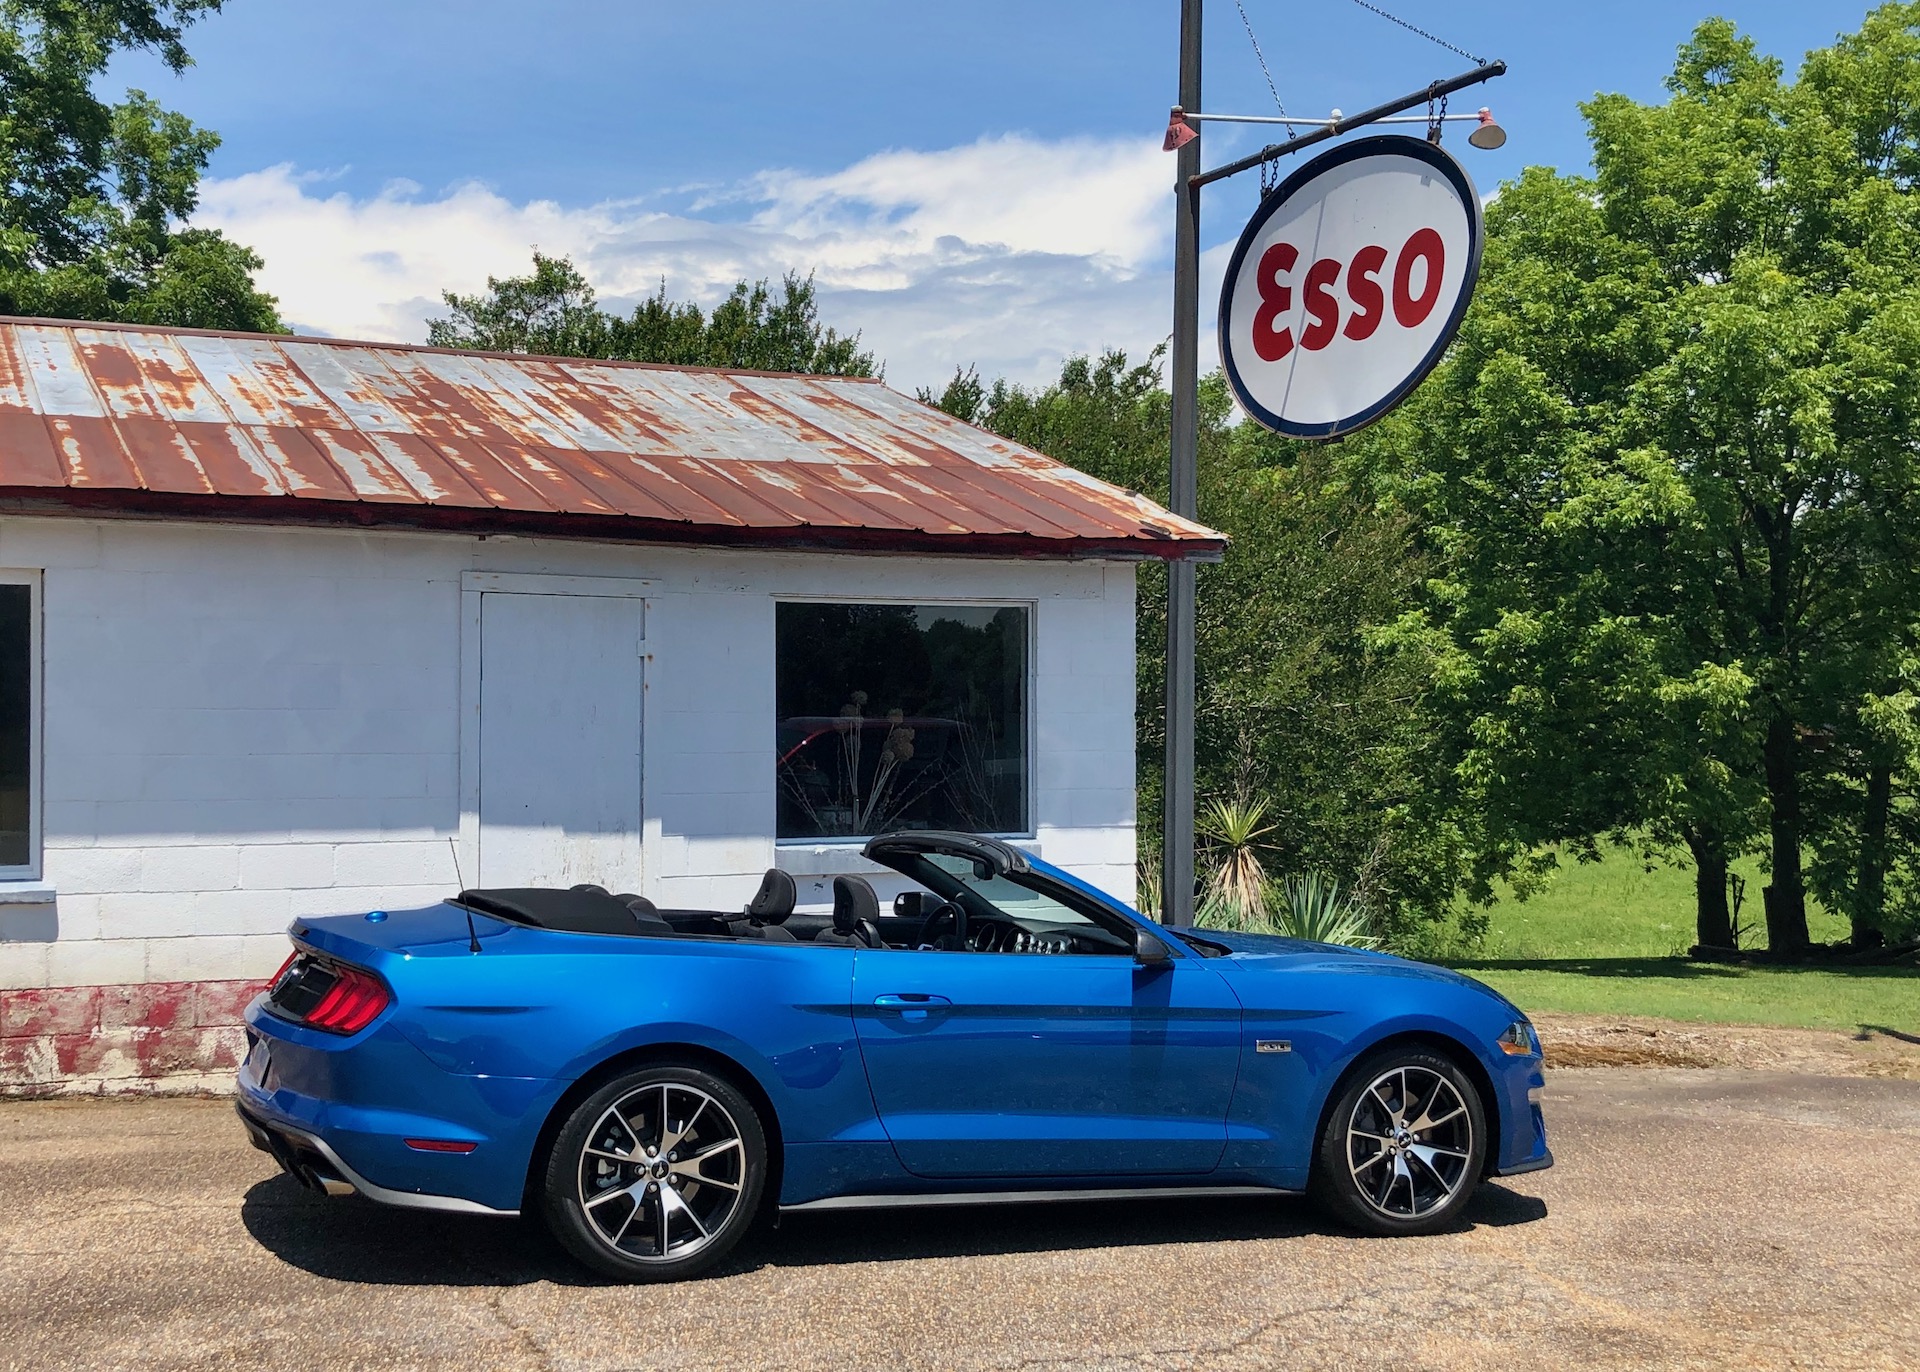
{"x": 21, "y": 892}
{"x": 804, "y": 858}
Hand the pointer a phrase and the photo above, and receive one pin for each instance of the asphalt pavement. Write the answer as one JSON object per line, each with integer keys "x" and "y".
{"x": 1698, "y": 1219}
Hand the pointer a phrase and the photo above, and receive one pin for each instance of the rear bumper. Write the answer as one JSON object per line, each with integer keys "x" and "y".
{"x": 309, "y": 1160}
{"x": 346, "y": 1109}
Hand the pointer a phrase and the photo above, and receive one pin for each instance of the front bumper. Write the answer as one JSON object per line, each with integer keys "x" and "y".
{"x": 1523, "y": 1142}
{"x": 1539, "y": 1164}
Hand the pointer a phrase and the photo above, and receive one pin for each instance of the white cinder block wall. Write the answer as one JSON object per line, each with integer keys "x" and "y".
{"x": 244, "y": 725}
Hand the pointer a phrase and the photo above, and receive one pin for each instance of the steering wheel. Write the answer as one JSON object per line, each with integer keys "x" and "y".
{"x": 932, "y": 932}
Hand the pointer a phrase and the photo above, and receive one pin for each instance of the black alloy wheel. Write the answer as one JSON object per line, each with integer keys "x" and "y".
{"x": 657, "y": 1175}
{"x": 1403, "y": 1146}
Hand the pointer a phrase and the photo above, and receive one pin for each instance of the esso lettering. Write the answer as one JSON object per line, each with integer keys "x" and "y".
{"x": 1368, "y": 293}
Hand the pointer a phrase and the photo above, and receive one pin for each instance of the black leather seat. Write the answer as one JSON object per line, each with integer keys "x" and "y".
{"x": 856, "y": 911}
{"x": 767, "y": 912}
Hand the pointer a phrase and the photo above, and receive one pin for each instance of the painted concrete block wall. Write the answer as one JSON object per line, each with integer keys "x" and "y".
{"x": 247, "y": 725}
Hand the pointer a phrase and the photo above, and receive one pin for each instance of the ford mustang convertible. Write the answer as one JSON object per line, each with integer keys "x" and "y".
{"x": 650, "y": 1082}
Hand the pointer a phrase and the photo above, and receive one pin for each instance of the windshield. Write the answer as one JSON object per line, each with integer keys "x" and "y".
{"x": 1009, "y": 898}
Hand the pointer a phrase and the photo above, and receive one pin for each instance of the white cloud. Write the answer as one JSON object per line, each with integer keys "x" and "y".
{"x": 1008, "y": 253}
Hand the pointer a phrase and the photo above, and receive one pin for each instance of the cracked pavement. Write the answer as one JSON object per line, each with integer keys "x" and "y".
{"x": 1698, "y": 1219}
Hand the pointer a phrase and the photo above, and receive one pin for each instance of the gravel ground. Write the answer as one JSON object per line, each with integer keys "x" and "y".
{"x": 1698, "y": 1218}
{"x": 1617, "y": 1041}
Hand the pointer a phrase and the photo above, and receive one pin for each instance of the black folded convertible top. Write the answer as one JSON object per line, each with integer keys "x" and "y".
{"x": 579, "y": 912}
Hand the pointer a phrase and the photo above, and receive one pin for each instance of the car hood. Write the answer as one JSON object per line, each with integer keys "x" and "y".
{"x": 1253, "y": 950}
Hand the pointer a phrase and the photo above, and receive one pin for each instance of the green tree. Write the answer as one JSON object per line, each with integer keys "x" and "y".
{"x": 95, "y": 193}
{"x": 553, "y": 311}
{"x": 1668, "y": 471}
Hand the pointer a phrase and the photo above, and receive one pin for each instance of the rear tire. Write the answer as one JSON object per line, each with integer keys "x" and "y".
{"x": 657, "y": 1175}
{"x": 1403, "y": 1146}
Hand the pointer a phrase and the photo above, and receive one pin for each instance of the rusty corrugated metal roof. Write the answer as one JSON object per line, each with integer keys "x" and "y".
{"x": 195, "y": 424}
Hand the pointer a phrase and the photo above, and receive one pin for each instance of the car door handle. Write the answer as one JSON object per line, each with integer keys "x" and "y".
{"x": 910, "y": 1005}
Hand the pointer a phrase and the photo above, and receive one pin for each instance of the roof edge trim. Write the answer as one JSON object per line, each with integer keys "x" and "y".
{"x": 301, "y": 511}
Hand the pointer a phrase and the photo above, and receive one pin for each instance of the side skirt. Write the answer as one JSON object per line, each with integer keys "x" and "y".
{"x": 888, "y": 1202}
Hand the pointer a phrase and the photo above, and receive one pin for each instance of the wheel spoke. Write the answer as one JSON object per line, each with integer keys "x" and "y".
{"x": 622, "y": 1233}
{"x": 1388, "y": 1178}
{"x": 1385, "y": 1104}
{"x": 1427, "y": 1121}
{"x": 1447, "y": 1188}
{"x": 670, "y": 1138}
{"x": 631, "y": 1192}
{"x": 621, "y": 1120}
{"x": 1371, "y": 1163}
{"x": 671, "y": 1200}
{"x": 694, "y": 1168}
{"x": 612, "y": 1157}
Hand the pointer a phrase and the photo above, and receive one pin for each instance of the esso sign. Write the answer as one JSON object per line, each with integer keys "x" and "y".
{"x": 1348, "y": 284}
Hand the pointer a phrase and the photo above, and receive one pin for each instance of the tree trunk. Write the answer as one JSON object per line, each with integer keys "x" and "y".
{"x": 1870, "y": 885}
{"x": 1786, "y": 897}
{"x": 1713, "y": 921}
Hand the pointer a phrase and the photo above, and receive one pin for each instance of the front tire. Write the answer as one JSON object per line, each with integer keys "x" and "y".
{"x": 1403, "y": 1147}
{"x": 657, "y": 1175}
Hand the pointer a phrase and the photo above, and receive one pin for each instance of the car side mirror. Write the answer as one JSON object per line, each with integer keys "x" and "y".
{"x": 912, "y": 905}
{"x": 1149, "y": 950}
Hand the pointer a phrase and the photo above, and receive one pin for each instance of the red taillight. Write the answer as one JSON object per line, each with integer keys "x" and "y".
{"x": 350, "y": 1004}
{"x": 441, "y": 1145}
{"x": 292, "y": 958}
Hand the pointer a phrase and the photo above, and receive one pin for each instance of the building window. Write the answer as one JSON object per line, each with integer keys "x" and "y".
{"x": 901, "y": 717}
{"x": 19, "y": 726}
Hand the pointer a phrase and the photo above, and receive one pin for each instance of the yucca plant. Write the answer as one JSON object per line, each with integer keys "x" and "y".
{"x": 1237, "y": 889}
{"x": 1146, "y": 884}
{"x": 1313, "y": 907}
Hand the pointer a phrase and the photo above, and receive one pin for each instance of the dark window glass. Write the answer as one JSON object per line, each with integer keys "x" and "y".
{"x": 16, "y": 725}
{"x": 900, "y": 717}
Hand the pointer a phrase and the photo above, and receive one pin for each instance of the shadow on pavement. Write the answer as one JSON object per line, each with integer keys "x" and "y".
{"x": 354, "y": 1240}
{"x": 350, "y": 1239}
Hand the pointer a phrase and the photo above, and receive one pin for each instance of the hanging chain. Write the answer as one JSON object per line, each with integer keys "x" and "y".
{"x": 1435, "y": 121}
{"x": 1414, "y": 28}
{"x": 1261, "y": 58}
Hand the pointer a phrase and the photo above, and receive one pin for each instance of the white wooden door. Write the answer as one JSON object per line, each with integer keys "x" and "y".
{"x": 560, "y": 712}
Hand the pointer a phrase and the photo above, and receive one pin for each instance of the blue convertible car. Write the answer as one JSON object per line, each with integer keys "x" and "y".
{"x": 650, "y": 1081}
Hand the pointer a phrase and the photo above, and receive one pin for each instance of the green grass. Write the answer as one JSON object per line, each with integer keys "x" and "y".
{"x": 1610, "y": 938}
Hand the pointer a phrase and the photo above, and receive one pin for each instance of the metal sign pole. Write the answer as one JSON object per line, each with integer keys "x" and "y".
{"x": 1176, "y": 869}
{"x": 1177, "y": 833}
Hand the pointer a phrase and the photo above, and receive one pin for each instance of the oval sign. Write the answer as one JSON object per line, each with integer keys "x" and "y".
{"x": 1347, "y": 285}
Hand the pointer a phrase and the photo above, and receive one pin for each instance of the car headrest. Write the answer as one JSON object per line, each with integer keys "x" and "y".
{"x": 853, "y": 901}
{"x": 774, "y": 901}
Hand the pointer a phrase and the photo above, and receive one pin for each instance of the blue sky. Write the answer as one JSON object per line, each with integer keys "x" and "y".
{"x": 974, "y": 183}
